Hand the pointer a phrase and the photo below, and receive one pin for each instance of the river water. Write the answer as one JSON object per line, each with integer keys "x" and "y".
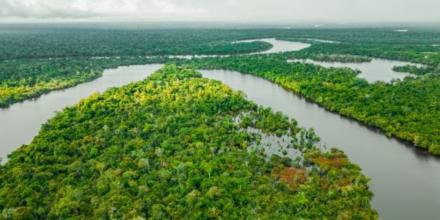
{"x": 376, "y": 70}
{"x": 279, "y": 46}
{"x": 406, "y": 182}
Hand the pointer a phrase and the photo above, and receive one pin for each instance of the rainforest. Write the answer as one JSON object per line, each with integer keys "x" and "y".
{"x": 224, "y": 123}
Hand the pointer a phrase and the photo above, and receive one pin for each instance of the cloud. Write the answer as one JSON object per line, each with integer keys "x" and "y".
{"x": 227, "y": 10}
{"x": 43, "y": 9}
{"x": 89, "y": 9}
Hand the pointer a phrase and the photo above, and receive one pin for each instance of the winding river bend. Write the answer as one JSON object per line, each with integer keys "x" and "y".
{"x": 406, "y": 182}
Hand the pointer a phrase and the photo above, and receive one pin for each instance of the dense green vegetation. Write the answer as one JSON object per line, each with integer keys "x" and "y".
{"x": 49, "y": 42}
{"x": 416, "y": 36}
{"x": 177, "y": 146}
{"x": 342, "y": 58}
{"x": 408, "y": 109}
{"x": 416, "y": 70}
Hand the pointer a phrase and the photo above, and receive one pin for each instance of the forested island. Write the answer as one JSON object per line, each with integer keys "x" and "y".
{"x": 177, "y": 146}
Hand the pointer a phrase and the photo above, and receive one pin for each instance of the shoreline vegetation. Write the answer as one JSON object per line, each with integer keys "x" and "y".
{"x": 417, "y": 70}
{"x": 192, "y": 154}
{"x": 340, "y": 58}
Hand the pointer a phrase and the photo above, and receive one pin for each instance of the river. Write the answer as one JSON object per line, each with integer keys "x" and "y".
{"x": 406, "y": 182}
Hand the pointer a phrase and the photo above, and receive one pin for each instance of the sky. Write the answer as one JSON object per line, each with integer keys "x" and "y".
{"x": 295, "y": 11}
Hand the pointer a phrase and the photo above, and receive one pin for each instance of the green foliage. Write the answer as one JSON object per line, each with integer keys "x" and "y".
{"x": 50, "y": 41}
{"x": 416, "y": 70}
{"x": 339, "y": 58}
{"x": 170, "y": 147}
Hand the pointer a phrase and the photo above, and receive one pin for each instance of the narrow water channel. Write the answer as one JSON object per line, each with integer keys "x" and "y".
{"x": 405, "y": 181}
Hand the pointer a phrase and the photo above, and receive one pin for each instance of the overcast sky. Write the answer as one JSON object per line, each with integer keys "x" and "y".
{"x": 345, "y": 11}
